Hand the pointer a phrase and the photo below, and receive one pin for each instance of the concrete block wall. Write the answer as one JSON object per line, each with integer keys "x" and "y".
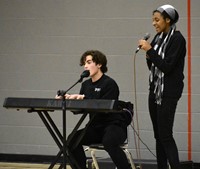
{"x": 40, "y": 46}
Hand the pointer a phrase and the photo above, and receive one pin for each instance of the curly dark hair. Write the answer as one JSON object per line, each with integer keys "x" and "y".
{"x": 97, "y": 57}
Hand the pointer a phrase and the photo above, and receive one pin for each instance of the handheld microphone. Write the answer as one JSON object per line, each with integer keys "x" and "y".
{"x": 146, "y": 37}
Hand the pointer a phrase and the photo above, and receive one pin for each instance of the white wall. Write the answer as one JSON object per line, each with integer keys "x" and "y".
{"x": 40, "y": 46}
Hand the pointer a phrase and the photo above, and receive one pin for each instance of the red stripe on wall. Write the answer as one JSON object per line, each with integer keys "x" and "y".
{"x": 189, "y": 81}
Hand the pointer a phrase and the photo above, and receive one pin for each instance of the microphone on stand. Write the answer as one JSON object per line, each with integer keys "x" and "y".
{"x": 85, "y": 73}
{"x": 146, "y": 37}
{"x": 62, "y": 93}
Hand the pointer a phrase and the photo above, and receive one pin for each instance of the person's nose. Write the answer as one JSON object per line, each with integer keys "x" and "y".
{"x": 85, "y": 66}
{"x": 153, "y": 23}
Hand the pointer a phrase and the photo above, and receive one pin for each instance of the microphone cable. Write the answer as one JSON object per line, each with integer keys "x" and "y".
{"x": 137, "y": 142}
{"x": 142, "y": 141}
{"x": 137, "y": 133}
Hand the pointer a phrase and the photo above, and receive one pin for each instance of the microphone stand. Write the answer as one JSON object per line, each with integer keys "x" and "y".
{"x": 62, "y": 93}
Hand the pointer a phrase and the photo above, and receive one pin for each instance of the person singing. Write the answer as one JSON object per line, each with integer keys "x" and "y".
{"x": 109, "y": 129}
{"x": 165, "y": 57}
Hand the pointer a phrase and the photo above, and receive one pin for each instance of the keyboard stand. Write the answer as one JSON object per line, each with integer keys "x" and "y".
{"x": 44, "y": 105}
{"x": 60, "y": 139}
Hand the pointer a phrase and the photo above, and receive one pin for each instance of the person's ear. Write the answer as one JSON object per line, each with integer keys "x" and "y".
{"x": 99, "y": 65}
{"x": 168, "y": 20}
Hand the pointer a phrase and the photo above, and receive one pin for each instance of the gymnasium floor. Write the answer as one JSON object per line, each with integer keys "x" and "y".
{"x": 5, "y": 165}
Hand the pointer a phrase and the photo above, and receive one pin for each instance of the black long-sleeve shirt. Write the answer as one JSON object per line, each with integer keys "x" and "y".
{"x": 172, "y": 65}
{"x": 104, "y": 88}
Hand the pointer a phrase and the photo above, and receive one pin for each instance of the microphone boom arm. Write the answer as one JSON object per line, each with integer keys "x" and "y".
{"x": 63, "y": 92}
{"x": 85, "y": 73}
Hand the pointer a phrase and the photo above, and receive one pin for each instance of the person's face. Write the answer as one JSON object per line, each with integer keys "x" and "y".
{"x": 160, "y": 24}
{"x": 91, "y": 66}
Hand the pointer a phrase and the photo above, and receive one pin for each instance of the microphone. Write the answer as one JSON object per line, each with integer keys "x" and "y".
{"x": 146, "y": 37}
{"x": 85, "y": 73}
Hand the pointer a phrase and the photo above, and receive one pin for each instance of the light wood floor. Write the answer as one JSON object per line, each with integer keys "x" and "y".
{"x": 5, "y": 165}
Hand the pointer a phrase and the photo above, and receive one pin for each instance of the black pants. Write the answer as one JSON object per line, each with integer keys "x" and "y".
{"x": 111, "y": 137}
{"x": 162, "y": 117}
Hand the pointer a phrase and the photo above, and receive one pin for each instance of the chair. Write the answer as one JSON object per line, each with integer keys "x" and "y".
{"x": 99, "y": 147}
{"x": 128, "y": 114}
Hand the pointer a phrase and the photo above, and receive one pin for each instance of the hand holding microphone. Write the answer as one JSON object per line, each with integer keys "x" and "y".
{"x": 143, "y": 44}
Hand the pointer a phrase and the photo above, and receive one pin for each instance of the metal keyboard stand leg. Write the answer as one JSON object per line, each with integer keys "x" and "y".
{"x": 58, "y": 138}
{"x": 74, "y": 164}
{"x": 56, "y": 135}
